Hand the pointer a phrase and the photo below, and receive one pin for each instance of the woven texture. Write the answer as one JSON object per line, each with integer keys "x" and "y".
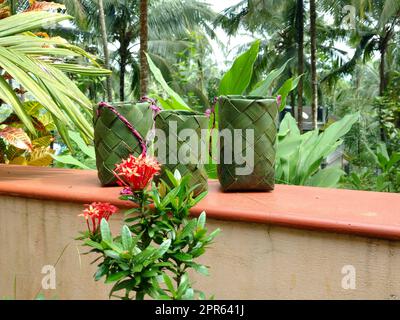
{"x": 259, "y": 114}
{"x": 114, "y": 141}
{"x": 165, "y": 120}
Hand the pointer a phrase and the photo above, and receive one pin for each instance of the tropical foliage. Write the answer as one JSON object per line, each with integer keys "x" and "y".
{"x": 341, "y": 57}
{"x": 36, "y": 65}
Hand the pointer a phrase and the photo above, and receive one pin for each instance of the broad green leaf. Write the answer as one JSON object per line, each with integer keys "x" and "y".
{"x": 112, "y": 254}
{"x": 201, "y": 220}
{"x": 105, "y": 231}
{"x": 237, "y": 79}
{"x": 326, "y": 178}
{"x": 284, "y": 91}
{"x": 126, "y": 236}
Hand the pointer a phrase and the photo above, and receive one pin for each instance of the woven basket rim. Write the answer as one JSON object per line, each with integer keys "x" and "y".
{"x": 237, "y": 97}
{"x": 181, "y": 113}
{"x": 124, "y": 103}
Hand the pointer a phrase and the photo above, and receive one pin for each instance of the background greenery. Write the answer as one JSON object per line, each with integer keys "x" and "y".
{"x": 305, "y": 50}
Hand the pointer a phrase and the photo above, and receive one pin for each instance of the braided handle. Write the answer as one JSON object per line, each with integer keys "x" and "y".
{"x": 126, "y": 122}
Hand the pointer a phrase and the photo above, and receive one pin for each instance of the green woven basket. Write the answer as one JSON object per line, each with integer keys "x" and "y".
{"x": 112, "y": 138}
{"x": 248, "y": 112}
{"x": 184, "y": 120}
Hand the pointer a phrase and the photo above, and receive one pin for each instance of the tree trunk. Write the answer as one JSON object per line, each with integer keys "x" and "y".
{"x": 103, "y": 31}
{"x": 123, "y": 55}
{"x": 382, "y": 72}
{"x": 300, "y": 60}
{"x": 144, "y": 68}
{"x": 314, "y": 80}
{"x": 382, "y": 78}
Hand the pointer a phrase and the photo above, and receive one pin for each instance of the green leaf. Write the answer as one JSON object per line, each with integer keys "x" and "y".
{"x": 200, "y": 197}
{"x": 27, "y": 21}
{"x": 326, "y": 178}
{"x": 125, "y": 284}
{"x": 168, "y": 283}
{"x": 94, "y": 244}
{"x": 101, "y": 271}
{"x": 201, "y": 220}
{"x": 116, "y": 276}
{"x": 68, "y": 159}
{"x": 179, "y": 103}
{"x": 105, "y": 231}
{"x": 200, "y": 268}
{"x": 183, "y": 285}
{"x": 126, "y": 236}
{"x": 263, "y": 87}
{"x": 112, "y": 254}
{"x": 88, "y": 150}
{"x": 284, "y": 91}
{"x": 163, "y": 248}
{"x": 213, "y": 235}
{"x": 237, "y": 79}
{"x": 8, "y": 95}
{"x": 188, "y": 229}
{"x": 181, "y": 256}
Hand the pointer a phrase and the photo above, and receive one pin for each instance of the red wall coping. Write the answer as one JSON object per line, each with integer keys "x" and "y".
{"x": 371, "y": 214}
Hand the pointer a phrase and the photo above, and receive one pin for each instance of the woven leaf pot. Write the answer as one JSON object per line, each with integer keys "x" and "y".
{"x": 254, "y": 113}
{"x": 112, "y": 138}
{"x": 166, "y": 121}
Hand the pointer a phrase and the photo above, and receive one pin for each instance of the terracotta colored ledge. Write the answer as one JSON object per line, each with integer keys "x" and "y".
{"x": 371, "y": 214}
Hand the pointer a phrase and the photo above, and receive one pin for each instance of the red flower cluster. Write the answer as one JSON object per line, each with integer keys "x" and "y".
{"x": 96, "y": 211}
{"x": 136, "y": 172}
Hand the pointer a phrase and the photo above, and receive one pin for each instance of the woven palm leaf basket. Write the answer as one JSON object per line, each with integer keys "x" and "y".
{"x": 113, "y": 138}
{"x": 165, "y": 121}
{"x": 257, "y": 114}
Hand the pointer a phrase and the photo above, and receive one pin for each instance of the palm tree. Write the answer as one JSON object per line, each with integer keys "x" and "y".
{"x": 375, "y": 29}
{"x": 300, "y": 60}
{"x": 144, "y": 68}
{"x": 314, "y": 81}
{"x": 104, "y": 41}
{"x": 169, "y": 21}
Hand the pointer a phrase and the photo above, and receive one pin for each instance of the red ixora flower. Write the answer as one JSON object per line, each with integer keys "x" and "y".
{"x": 94, "y": 212}
{"x": 136, "y": 172}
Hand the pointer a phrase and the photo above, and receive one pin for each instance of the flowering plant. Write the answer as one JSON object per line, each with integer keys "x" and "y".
{"x": 159, "y": 242}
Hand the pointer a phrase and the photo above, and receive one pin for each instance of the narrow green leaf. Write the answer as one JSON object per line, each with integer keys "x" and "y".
{"x": 8, "y": 95}
{"x": 180, "y": 103}
{"x": 116, "y": 276}
{"x": 263, "y": 87}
